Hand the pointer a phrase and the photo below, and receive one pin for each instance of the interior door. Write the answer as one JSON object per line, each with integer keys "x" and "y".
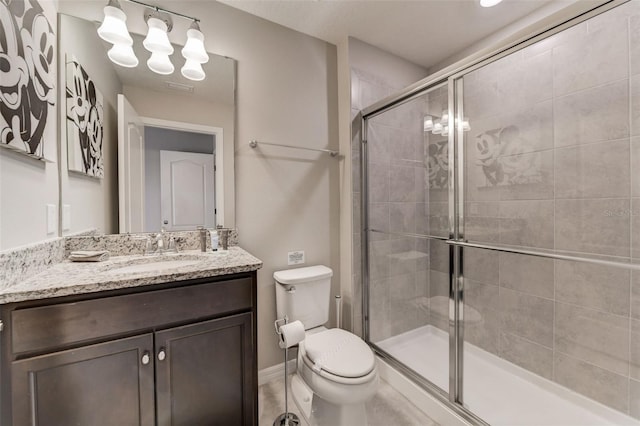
{"x": 104, "y": 384}
{"x": 187, "y": 190}
{"x": 205, "y": 373}
{"x": 130, "y": 167}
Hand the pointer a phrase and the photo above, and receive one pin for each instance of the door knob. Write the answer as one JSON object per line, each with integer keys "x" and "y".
{"x": 162, "y": 354}
{"x": 145, "y": 358}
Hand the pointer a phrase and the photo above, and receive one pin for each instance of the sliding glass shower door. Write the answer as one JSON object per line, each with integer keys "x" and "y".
{"x": 550, "y": 166}
{"x": 407, "y": 203}
{"x": 501, "y": 253}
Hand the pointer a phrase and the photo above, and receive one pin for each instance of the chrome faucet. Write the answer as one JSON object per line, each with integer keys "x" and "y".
{"x": 160, "y": 243}
{"x": 160, "y": 240}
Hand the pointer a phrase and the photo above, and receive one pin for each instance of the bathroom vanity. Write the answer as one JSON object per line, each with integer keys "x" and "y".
{"x": 98, "y": 344}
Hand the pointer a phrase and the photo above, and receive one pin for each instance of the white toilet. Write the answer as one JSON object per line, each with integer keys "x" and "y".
{"x": 337, "y": 370}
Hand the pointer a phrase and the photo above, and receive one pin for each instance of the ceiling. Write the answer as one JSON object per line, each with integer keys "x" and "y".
{"x": 424, "y": 32}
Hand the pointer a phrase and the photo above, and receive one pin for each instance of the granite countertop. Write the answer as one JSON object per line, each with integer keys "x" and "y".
{"x": 69, "y": 278}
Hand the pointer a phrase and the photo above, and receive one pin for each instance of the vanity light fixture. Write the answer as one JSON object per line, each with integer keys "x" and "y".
{"x": 193, "y": 70}
{"x": 114, "y": 30}
{"x": 157, "y": 40}
{"x": 489, "y": 3}
{"x": 428, "y": 123}
{"x": 114, "y": 27}
{"x": 194, "y": 47}
{"x": 123, "y": 55}
{"x": 160, "y": 64}
{"x": 440, "y": 126}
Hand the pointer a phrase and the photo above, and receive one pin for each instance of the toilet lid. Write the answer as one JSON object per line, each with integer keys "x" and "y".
{"x": 339, "y": 352}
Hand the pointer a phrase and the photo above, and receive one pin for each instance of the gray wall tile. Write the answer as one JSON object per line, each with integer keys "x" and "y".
{"x": 602, "y": 56}
{"x": 634, "y": 45}
{"x": 610, "y": 388}
{"x": 402, "y": 217}
{"x": 402, "y": 185}
{"x": 527, "y": 316}
{"x": 527, "y": 274}
{"x": 527, "y": 223}
{"x": 634, "y": 398}
{"x": 378, "y": 183}
{"x": 480, "y": 265}
{"x": 592, "y": 115}
{"x": 526, "y": 354}
{"x": 596, "y": 337}
{"x": 592, "y": 226}
{"x": 599, "y": 170}
{"x": 593, "y": 286}
{"x": 482, "y": 221}
{"x": 635, "y": 167}
{"x": 634, "y": 353}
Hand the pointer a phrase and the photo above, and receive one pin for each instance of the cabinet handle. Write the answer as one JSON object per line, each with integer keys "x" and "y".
{"x": 145, "y": 358}
{"x": 162, "y": 354}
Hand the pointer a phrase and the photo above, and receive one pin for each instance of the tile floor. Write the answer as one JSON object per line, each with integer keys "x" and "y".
{"x": 387, "y": 407}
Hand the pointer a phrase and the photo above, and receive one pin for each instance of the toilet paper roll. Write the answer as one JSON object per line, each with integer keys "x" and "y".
{"x": 291, "y": 334}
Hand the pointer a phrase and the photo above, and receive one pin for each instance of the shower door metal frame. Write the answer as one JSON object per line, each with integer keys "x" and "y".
{"x": 456, "y": 241}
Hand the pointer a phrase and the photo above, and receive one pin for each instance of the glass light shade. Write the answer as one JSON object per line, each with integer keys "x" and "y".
{"x": 445, "y": 117}
{"x": 160, "y": 64}
{"x": 437, "y": 127}
{"x": 157, "y": 40}
{"x": 428, "y": 123}
{"x": 489, "y": 3}
{"x": 122, "y": 54}
{"x": 192, "y": 70}
{"x": 194, "y": 47}
{"x": 113, "y": 28}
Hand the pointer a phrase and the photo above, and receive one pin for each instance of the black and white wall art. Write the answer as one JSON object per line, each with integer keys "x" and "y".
{"x": 85, "y": 118}
{"x": 27, "y": 75}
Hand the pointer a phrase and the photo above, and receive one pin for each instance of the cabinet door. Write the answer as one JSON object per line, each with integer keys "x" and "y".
{"x": 104, "y": 384}
{"x": 204, "y": 373}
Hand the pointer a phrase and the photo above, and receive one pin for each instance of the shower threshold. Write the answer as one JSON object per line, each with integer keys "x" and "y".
{"x": 496, "y": 390}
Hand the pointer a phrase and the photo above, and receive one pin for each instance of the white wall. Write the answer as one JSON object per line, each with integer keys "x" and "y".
{"x": 93, "y": 201}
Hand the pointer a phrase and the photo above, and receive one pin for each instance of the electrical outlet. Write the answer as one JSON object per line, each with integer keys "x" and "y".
{"x": 52, "y": 219}
{"x": 295, "y": 257}
{"x": 66, "y": 217}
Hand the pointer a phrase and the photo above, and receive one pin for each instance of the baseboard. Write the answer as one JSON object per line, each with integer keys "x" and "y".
{"x": 275, "y": 372}
{"x": 418, "y": 396}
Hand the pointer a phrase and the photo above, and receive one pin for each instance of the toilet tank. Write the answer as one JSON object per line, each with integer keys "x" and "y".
{"x": 303, "y": 294}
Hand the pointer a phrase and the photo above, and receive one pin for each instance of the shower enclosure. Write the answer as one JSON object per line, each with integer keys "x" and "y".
{"x": 501, "y": 228}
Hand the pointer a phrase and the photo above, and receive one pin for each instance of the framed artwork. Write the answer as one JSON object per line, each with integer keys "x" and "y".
{"x": 27, "y": 76}
{"x": 85, "y": 121}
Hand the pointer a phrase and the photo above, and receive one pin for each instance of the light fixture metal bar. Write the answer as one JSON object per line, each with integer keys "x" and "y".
{"x": 161, "y": 9}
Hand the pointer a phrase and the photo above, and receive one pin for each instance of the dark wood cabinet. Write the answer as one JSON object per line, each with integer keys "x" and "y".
{"x": 197, "y": 361}
{"x": 173, "y": 354}
{"x": 105, "y": 384}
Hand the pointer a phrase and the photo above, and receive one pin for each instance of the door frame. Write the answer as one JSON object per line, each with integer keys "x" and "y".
{"x": 218, "y": 133}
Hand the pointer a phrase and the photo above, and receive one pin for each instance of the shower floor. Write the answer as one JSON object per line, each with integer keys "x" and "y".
{"x": 496, "y": 390}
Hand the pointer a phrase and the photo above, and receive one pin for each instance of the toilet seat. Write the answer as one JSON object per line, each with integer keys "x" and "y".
{"x": 339, "y": 356}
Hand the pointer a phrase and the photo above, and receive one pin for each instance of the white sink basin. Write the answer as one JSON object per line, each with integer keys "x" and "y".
{"x": 158, "y": 266}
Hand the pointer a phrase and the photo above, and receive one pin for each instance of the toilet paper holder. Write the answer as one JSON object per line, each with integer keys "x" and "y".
{"x": 287, "y": 418}
{"x": 279, "y": 323}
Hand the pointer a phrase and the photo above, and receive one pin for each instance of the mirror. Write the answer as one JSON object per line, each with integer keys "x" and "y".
{"x": 170, "y": 133}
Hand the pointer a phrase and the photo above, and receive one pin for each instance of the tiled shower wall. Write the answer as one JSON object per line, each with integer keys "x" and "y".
{"x": 553, "y": 162}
